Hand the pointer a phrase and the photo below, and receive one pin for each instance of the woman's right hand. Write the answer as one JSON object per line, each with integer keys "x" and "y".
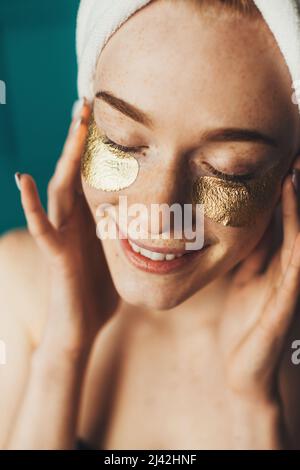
{"x": 81, "y": 293}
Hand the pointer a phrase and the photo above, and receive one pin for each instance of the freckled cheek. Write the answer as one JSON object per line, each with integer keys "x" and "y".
{"x": 236, "y": 243}
{"x": 96, "y": 198}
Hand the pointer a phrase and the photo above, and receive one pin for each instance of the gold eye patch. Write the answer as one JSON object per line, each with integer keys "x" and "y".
{"x": 236, "y": 204}
{"x": 230, "y": 203}
{"x": 104, "y": 166}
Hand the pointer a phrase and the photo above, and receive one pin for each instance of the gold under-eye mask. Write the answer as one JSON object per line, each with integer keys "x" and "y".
{"x": 236, "y": 204}
{"x": 105, "y": 167}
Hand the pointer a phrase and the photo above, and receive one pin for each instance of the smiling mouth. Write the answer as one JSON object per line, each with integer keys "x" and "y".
{"x": 160, "y": 261}
{"x": 154, "y": 255}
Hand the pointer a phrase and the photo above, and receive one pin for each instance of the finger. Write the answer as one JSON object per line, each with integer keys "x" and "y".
{"x": 37, "y": 221}
{"x": 288, "y": 291}
{"x": 290, "y": 218}
{"x": 268, "y": 334}
{"x": 62, "y": 187}
{"x": 67, "y": 165}
{"x": 290, "y": 228}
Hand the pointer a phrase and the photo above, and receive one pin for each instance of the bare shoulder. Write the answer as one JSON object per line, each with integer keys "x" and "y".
{"x": 23, "y": 280}
{"x": 22, "y": 315}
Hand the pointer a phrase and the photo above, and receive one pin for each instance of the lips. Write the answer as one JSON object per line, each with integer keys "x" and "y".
{"x": 160, "y": 261}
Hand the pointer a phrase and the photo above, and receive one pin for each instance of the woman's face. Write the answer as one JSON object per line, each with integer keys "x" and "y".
{"x": 213, "y": 94}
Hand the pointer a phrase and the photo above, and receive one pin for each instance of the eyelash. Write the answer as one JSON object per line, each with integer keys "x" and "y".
{"x": 231, "y": 177}
{"x": 226, "y": 176}
{"x": 109, "y": 142}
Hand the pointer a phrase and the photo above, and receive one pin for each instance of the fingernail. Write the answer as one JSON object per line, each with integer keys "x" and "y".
{"x": 77, "y": 107}
{"x": 295, "y": 179}
{"x": 77, "y": 124}
{"x": 18, "y": 180}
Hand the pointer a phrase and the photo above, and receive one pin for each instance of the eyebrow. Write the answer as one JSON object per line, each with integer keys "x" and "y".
{"x": 215, "y": 135}
{"x": 239, "y": 135}
{"x": 125, "y": 108}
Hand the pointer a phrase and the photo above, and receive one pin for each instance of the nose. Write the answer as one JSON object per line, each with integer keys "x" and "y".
{"x": 165, "y": 191}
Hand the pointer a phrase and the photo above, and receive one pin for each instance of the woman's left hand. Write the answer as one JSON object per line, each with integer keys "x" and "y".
{"x": 266, "y": 301}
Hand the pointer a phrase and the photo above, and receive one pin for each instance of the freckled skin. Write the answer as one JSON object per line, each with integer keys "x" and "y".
{"x": 199, "y": 78}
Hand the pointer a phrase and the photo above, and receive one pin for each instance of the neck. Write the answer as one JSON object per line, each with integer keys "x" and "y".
{"x": 202, "y": 310}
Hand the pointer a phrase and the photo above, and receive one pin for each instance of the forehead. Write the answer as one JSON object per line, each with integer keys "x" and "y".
{"x": 168, "y": 58}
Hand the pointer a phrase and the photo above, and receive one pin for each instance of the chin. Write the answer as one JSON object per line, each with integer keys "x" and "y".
{"x": 156, "y": 303}
{"x": 157, "y": 291}
{"x": 151, "y": 296}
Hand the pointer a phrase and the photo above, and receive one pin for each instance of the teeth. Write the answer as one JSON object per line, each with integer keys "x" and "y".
{"x": 135, "y": 247}
{"x": 153, "y": 255}
{"x": 169, "y": 257}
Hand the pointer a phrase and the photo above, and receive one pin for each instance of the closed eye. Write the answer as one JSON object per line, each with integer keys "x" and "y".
{"x": 239, "y": 178}
{"x": 122, "y": 148}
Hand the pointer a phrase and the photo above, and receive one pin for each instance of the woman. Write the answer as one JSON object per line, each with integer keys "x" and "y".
{"x": 103, "y": 346}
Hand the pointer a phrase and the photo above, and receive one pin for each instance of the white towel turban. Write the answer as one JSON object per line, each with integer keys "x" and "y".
{"x": 97, "y": 20}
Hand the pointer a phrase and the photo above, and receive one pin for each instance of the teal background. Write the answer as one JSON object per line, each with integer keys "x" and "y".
{"x": 38, "y": 65}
